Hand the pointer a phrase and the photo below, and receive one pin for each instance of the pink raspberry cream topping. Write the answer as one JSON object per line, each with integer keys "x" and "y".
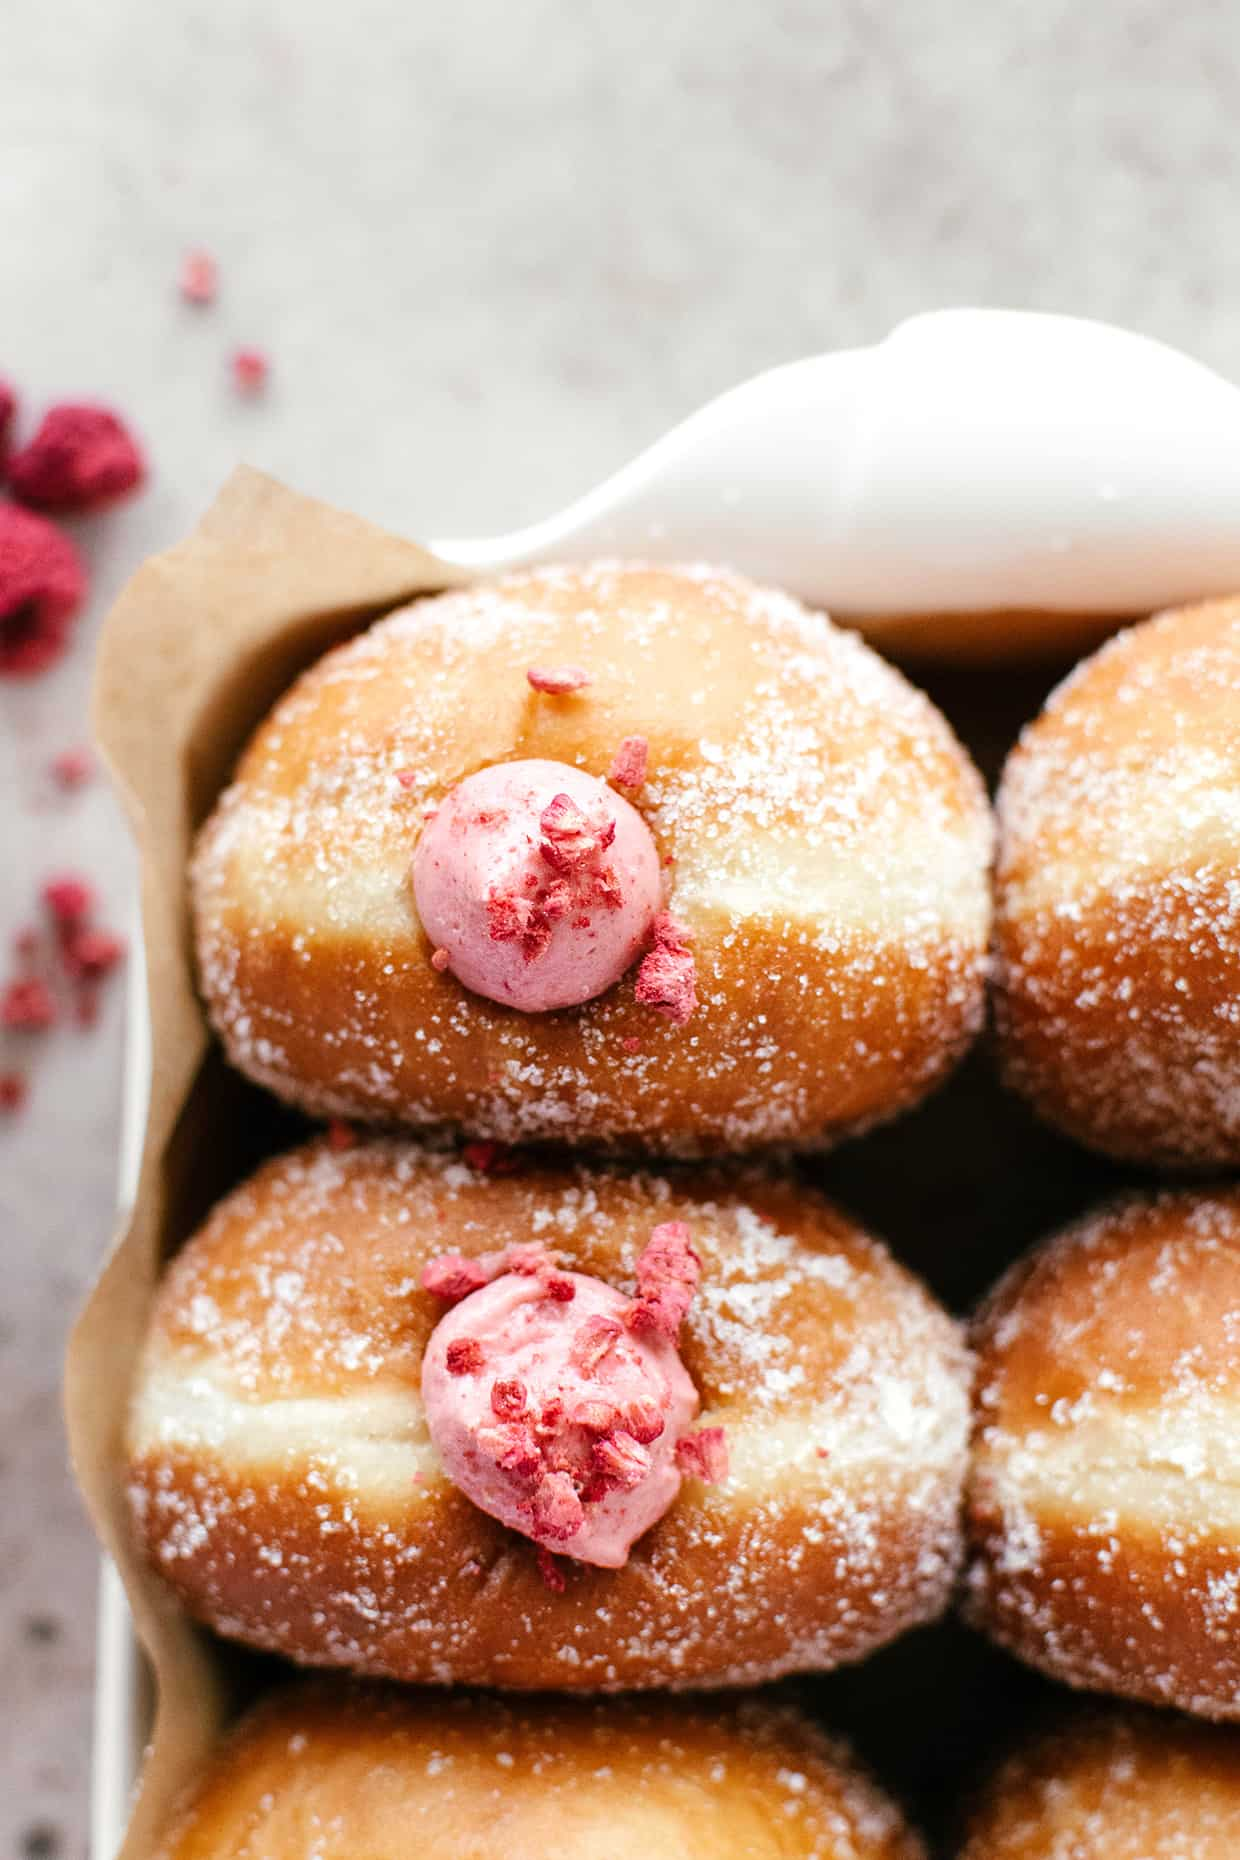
{"x": 552, "y": 1406}
{"x": 537, "y": 884}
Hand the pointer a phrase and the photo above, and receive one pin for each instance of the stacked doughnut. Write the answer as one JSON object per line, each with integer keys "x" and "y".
{"x": 1104, "y": 1504}
{"x": 368, "y": 1431}
{"x": 613, "y": 856}
{"x": 1114, "y": 1786}
{"x": 1118, "y": 896}
{"x": 338, "y": 1772}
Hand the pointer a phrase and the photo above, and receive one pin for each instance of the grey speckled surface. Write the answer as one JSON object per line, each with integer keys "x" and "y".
{"x": 492, "y": 249}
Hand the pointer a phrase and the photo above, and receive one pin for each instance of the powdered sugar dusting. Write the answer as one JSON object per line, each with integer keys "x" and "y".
{"x": 825, "y": 840}
{"x": 1106, "y": 1479}
{"x": 283, "y": 1479}
{"x": 1119, "y": 895}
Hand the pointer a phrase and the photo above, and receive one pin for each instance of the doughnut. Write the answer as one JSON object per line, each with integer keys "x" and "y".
{"x": 1117, "y": 899}
{"x": 1114, "y": 1785}
{"x": 755, "y": 1467}
{"x": 645, "y": 859}
{"x": 335, "y": 1771}
{"x": 1104, "y": 1502}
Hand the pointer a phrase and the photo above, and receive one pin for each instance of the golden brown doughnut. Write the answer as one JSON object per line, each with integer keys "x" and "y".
{"x": 1105, "y": 1487}
{"x": 1117, "y": 1785}
{"x": 1118, "y": 896}
{"x": 338, "y": 1772}
{"x": 283, "y": 1481}
{"x": 830, "y": 841}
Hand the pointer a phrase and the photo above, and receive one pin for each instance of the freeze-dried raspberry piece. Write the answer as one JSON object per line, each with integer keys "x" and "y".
{"x": 644, "y": 1420}
{"x": 199, "y": 278}
{"x": 597, "y": 1417}
{"x": 557, "y": 680}
{"x": 622, "y": 1461}
{"x": 13, "y": 1090}
{"x": 440, "y": 959}
{"x": 667, "y": 978}
{"x": 464, "y": 1356}
{"x": 42, "y": 585}
{"x": 508, "y": 1398}
{"x": 550, "y": 1571}
{"x": 27, "y": 1006}
{"x": 453, "y": 1277}
{"x": 8, "y": 417}
{"x": 490, "y": 1158}
{"x": 72, "y": 768}
{"x": 628, "y": 769}
{"x": 593, "y": 1341}
{"x": 558, "y": 1512}
{"x": 68, "y": 898}
{"x": 703, "y": 1455}
{"x": 569, "y": 838}
{"x": 89, "y": 955}
{"x": 81, "y": 457}
{"x": 250, "y": 369}
{"x": 667, "y": 1276}
{"x": 514, "y": 919}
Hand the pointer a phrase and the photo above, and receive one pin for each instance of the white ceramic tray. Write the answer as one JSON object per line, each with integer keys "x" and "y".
{"x": 123, "y": 1691}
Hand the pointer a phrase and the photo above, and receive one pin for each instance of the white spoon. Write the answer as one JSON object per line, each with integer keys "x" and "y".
{"x": 974, "y": 460}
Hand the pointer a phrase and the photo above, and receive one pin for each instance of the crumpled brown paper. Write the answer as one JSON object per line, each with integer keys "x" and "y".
{"x": 197, "y": 648}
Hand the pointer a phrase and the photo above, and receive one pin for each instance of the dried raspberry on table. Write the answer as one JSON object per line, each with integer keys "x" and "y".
{"x": 199, "y": 279}
{"x": 81, "y": 457}
{"x": 27, "y": 1006}
{"x": 42, "y": 585}
{"x": 250, "y": 370}
{"x": 8, "y": 417}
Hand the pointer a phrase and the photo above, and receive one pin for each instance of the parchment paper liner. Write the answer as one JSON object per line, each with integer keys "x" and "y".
{"x": 197, "y": 648}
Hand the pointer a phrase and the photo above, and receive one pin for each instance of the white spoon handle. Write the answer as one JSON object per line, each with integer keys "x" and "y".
{"x": 974, "y": 460}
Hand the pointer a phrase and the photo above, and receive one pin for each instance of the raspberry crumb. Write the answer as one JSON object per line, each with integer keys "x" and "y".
{"x": 667, "y": 978}
{"x": 569, "y": 838}
{"x": 42, "y": 584}
{"x": 13, "y": 1089}
{"x": 407, "y": 778}
{"x": 89, "y": 955}
{"x": 667, "y": 1276}
{"x": 703, "y": 1455}
{"x": 491, "y": 1158}
{"x": 440, "y": 960}
{"x": 199, "y": 280}
{"x": 550, "y": 1571}
{"x": 464, "y": 1356}
{"x": 508, "y": 1399}
{"x": 453, "y": 1277}
{"x": 8, "y": 415}
{"x": 250, "y": 369}
{"x": 594, "y": 1340}
{"x": 560, "y": 1288}
{"x": 340, "y": 1135}
{"x": 27, "y": 1006}
{"x": 80, "y": 457}
{"x": 628, "y": 770}
{"x": 631, "y": 1043}
{"x": 72, "y": 768}
{"x": 558, "y": 680}
{"x": 68, "y": 898}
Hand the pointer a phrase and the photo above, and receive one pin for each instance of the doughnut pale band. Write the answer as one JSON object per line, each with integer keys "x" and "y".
{"x": 284, "y": 1483}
